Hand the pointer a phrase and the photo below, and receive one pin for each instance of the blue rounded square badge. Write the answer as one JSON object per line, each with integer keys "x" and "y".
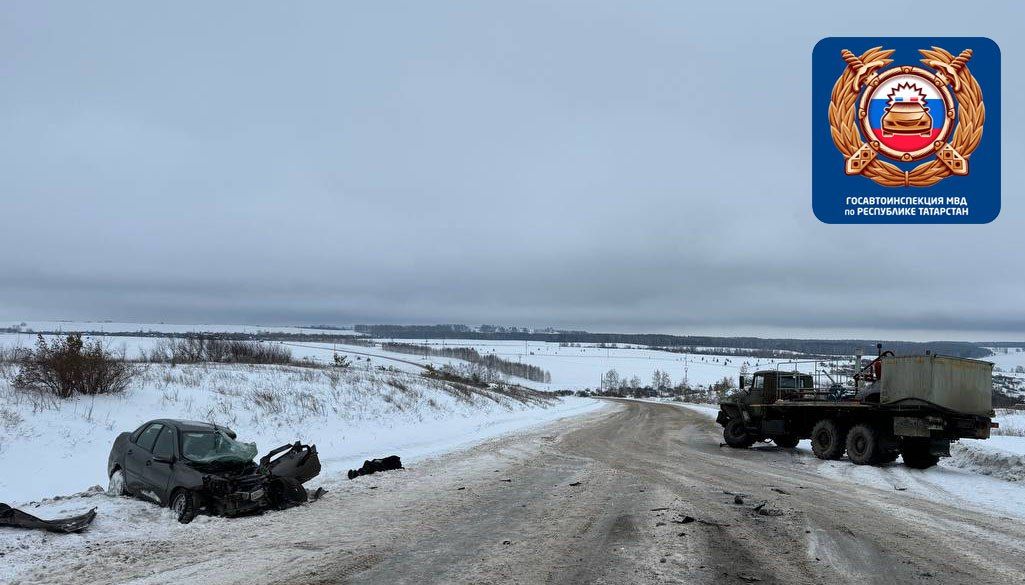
{"x": 906, "y": 130}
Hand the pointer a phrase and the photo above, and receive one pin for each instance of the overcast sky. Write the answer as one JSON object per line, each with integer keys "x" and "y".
{"x": 632, "y": 166}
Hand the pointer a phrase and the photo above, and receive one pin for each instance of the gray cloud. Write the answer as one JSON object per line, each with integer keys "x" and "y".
{"x": 611, "y": 166}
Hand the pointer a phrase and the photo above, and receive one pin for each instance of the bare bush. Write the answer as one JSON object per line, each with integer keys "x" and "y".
{"x": 9, "y": 419}
{"x": 68, "y": 366}
{"x": 192, "y": 350}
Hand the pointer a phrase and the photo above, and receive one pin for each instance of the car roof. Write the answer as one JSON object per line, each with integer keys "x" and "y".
{"x": 188, "y": 425}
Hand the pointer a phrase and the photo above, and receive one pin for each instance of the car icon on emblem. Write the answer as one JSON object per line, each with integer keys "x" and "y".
{"x": 910, "y": 117}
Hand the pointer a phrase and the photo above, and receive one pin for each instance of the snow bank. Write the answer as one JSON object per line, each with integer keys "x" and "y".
{"x": 709, "y": 410}
{"x": 1000, "y": 457}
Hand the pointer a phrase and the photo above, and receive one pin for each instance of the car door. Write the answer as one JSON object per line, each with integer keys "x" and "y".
{"x": 158, "y": 469}
{"x": 138, "y": 453}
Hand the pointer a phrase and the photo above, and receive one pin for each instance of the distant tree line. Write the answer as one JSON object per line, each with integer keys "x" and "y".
{"x": 488, "y": 361}
{"x": 747, "y": 346}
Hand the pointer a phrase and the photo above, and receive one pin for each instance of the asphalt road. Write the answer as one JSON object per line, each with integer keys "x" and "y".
{"x": 637, "y": 494}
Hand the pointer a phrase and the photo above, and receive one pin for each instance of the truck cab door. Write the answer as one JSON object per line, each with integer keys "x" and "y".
{"x": 771, "y": 393}
{"x": 756, "y": 396}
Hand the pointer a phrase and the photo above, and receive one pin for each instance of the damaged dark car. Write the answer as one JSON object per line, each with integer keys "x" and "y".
{"x": 195, "y": 467}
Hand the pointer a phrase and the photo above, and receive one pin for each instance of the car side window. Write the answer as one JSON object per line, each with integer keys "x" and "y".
{"x": 165, "y": 443}
{"x": 138, "y": 431}
{"x": 149, "y": 436}
{"x": 759, "y": 383}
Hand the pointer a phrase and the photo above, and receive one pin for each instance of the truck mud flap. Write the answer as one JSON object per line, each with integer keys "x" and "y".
{"x": 16, "y": 518}
{"x": 939, "y": 447}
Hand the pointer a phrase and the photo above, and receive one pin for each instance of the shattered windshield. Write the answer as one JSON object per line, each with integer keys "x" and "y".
{"x": 215, "y": 446}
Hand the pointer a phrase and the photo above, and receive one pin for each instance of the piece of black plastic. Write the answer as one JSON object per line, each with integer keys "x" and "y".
{"x": 16, "y": 518}
{"x": 374, "y": 465}
{"x": 297, "y": 461}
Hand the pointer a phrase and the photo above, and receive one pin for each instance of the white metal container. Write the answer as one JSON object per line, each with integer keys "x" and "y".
{"x": 958, "y": 384}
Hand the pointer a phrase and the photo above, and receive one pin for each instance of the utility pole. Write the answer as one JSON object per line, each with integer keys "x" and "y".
{"x": 686, "y": 370}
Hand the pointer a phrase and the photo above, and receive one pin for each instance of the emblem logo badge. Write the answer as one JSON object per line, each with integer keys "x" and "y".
{"x": 907, "y": 123}
{"x": 894, "y": 119}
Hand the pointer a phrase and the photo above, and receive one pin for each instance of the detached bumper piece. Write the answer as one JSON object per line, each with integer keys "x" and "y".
{"x": 16, "y": 518}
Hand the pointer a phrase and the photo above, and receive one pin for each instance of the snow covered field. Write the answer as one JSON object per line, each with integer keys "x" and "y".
{"x": 574, "y": 368}
{"x": 571, "y": 368}
{"x": 1007, "y": 359}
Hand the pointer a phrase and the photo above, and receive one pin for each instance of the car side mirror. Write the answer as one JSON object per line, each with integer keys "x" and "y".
{"x": 743, "y": 382}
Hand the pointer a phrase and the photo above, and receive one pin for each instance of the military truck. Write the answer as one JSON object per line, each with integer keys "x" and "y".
{"x": 908, "y": 406}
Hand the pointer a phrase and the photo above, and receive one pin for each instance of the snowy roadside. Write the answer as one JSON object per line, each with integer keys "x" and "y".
{"x": 415, "y": 431}
{"x": 53, "y": 448}
{"x": 985, "y": 474}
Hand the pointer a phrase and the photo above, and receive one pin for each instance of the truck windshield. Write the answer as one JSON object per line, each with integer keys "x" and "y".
{"x": 215, "y": 446}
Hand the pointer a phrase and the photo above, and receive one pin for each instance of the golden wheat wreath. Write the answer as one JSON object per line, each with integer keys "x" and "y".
{"x": 951, "y": 158}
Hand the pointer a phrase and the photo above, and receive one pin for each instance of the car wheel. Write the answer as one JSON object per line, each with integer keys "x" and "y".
{"x": 786, "y": 441}
{"x": 183, "y": 505}
{"x": 863, "y": 445}
{"x": 116, "y": 487}
{"x": 736, "y": 435}
{"x": 827, "y": 439}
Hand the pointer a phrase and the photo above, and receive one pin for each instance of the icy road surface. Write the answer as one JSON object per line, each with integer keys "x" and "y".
{"x": 636, "y": 493}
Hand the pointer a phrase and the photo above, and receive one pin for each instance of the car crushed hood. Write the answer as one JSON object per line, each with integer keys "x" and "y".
{"x": 294, "y": 461}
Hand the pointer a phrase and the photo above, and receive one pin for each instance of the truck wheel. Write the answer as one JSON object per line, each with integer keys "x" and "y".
{"x": 917, "y": 457}
{"x": 863, "y": 445}
{"x": 786, "y": 441}
{"x": 736, "y": 435}
{"x": 827, "y": 439}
